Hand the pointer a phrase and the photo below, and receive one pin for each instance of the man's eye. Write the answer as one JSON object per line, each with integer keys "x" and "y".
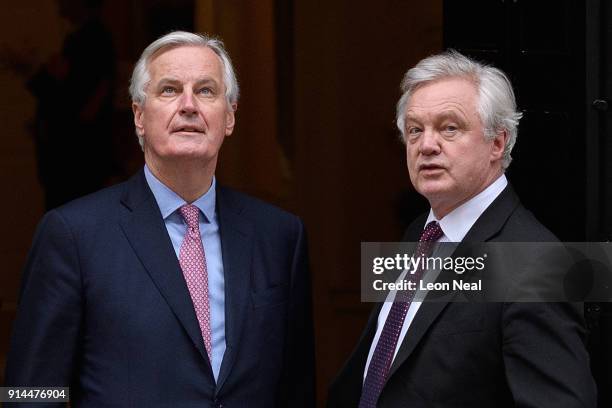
{"x": 205, "y": 91}
{"x": 450, "y": 129}
{"x": 413, "y": 131}
{"x": 168, "y": 90}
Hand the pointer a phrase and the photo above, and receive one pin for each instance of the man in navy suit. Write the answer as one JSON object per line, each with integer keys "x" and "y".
{"x": 169, "y": 290}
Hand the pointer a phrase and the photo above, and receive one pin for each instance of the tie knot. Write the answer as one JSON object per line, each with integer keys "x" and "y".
{"x": 432, "y": 232}
{"x": 191, "y": 214}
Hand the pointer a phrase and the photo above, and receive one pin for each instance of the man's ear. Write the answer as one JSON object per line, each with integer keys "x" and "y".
{"x": 138, "y": 118}
{"x": 499, "y": 145}
{"x": 230, "y": 119}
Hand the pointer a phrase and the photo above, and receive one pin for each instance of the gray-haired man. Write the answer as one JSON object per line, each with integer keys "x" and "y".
{"x": 458, "y": 120}
{"x": 169, "y": 290}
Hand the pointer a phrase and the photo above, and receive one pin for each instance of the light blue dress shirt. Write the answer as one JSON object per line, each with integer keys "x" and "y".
{"x": 169, "y": 202}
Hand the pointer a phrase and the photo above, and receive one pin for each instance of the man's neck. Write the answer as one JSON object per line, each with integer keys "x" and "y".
{"x": 458, "y": 222}
{"x": 442, "y": 208}
{"x": 188, "y": 180}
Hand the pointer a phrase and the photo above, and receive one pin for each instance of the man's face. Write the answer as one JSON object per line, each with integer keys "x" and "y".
{"x": 449, "y": 160}
{"x": 185, "y": 115}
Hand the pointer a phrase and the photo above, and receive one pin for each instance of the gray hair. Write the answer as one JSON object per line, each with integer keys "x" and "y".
{"x": 496, "y": 102}
{"x": 141, "y": 77}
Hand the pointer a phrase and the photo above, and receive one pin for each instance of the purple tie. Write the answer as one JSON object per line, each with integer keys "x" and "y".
{"x": 380, "y": 363}
{"x": 193, "y": 264}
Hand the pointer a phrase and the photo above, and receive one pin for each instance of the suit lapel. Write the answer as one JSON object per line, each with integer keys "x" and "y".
{"x": 492, "y": 221}
{"x": 486, "y": 227}
{"x": 145, "y": 230}
{"x": 236, "y": 233}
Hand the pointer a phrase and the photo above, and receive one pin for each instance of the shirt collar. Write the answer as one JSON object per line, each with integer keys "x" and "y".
{"x": 458, "y": 222}
{"x": 168, "y": 201}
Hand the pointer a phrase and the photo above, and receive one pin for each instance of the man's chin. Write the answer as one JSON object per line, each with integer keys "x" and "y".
{"x": 438, "y": 197}
{"x": 433, "y": 189}
{"x": 182, "y": 156}
{"x": 191, "y": 156}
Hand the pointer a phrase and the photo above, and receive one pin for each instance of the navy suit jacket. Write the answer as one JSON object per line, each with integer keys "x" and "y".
{"x": 105, "y": 310}
{"x": 482, "y": 355}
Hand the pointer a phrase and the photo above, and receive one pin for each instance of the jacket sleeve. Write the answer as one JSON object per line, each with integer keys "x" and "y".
{"x": 546, "y": 361}
{"x": 298, "y": 376}
{"x": 44, "y": 341}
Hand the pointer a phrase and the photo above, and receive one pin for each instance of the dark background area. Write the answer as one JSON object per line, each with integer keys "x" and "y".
{"x": 315, "y": 127}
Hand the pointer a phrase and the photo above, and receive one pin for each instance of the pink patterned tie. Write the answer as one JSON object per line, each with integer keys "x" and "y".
{"x": 193, "y": 264}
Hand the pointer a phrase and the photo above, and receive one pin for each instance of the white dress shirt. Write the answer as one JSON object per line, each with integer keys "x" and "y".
{"x": 455, "y": 225}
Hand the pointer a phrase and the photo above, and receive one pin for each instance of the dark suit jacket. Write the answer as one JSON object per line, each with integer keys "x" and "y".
{"x": 482, "y": 354}
{"x": 105, "y": 310}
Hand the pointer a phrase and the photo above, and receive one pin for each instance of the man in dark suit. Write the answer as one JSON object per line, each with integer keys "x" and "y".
{"x": 459, "y": 122}
{"x": 169, "y": 290}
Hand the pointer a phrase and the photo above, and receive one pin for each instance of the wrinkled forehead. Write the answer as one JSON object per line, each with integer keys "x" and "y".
{"x": 454, "y": 94}
{"x": 185, "y": 57}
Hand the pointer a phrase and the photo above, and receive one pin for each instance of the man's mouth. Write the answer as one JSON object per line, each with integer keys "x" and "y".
{"x": 190, "y": 129}
{"x": 430, "y": 167}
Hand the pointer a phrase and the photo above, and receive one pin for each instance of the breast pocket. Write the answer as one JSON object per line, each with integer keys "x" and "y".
{"x": 270, "y": 296}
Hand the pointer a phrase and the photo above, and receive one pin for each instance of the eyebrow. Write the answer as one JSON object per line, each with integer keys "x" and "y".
{"x": 174, "y": 80}
{"x": 444, "y": 115}
{"x": 410, "y": 117}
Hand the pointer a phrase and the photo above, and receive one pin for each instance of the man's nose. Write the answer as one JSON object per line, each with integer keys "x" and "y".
{"x": 188, "y": 104}
{"x": 430, "y": 142}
